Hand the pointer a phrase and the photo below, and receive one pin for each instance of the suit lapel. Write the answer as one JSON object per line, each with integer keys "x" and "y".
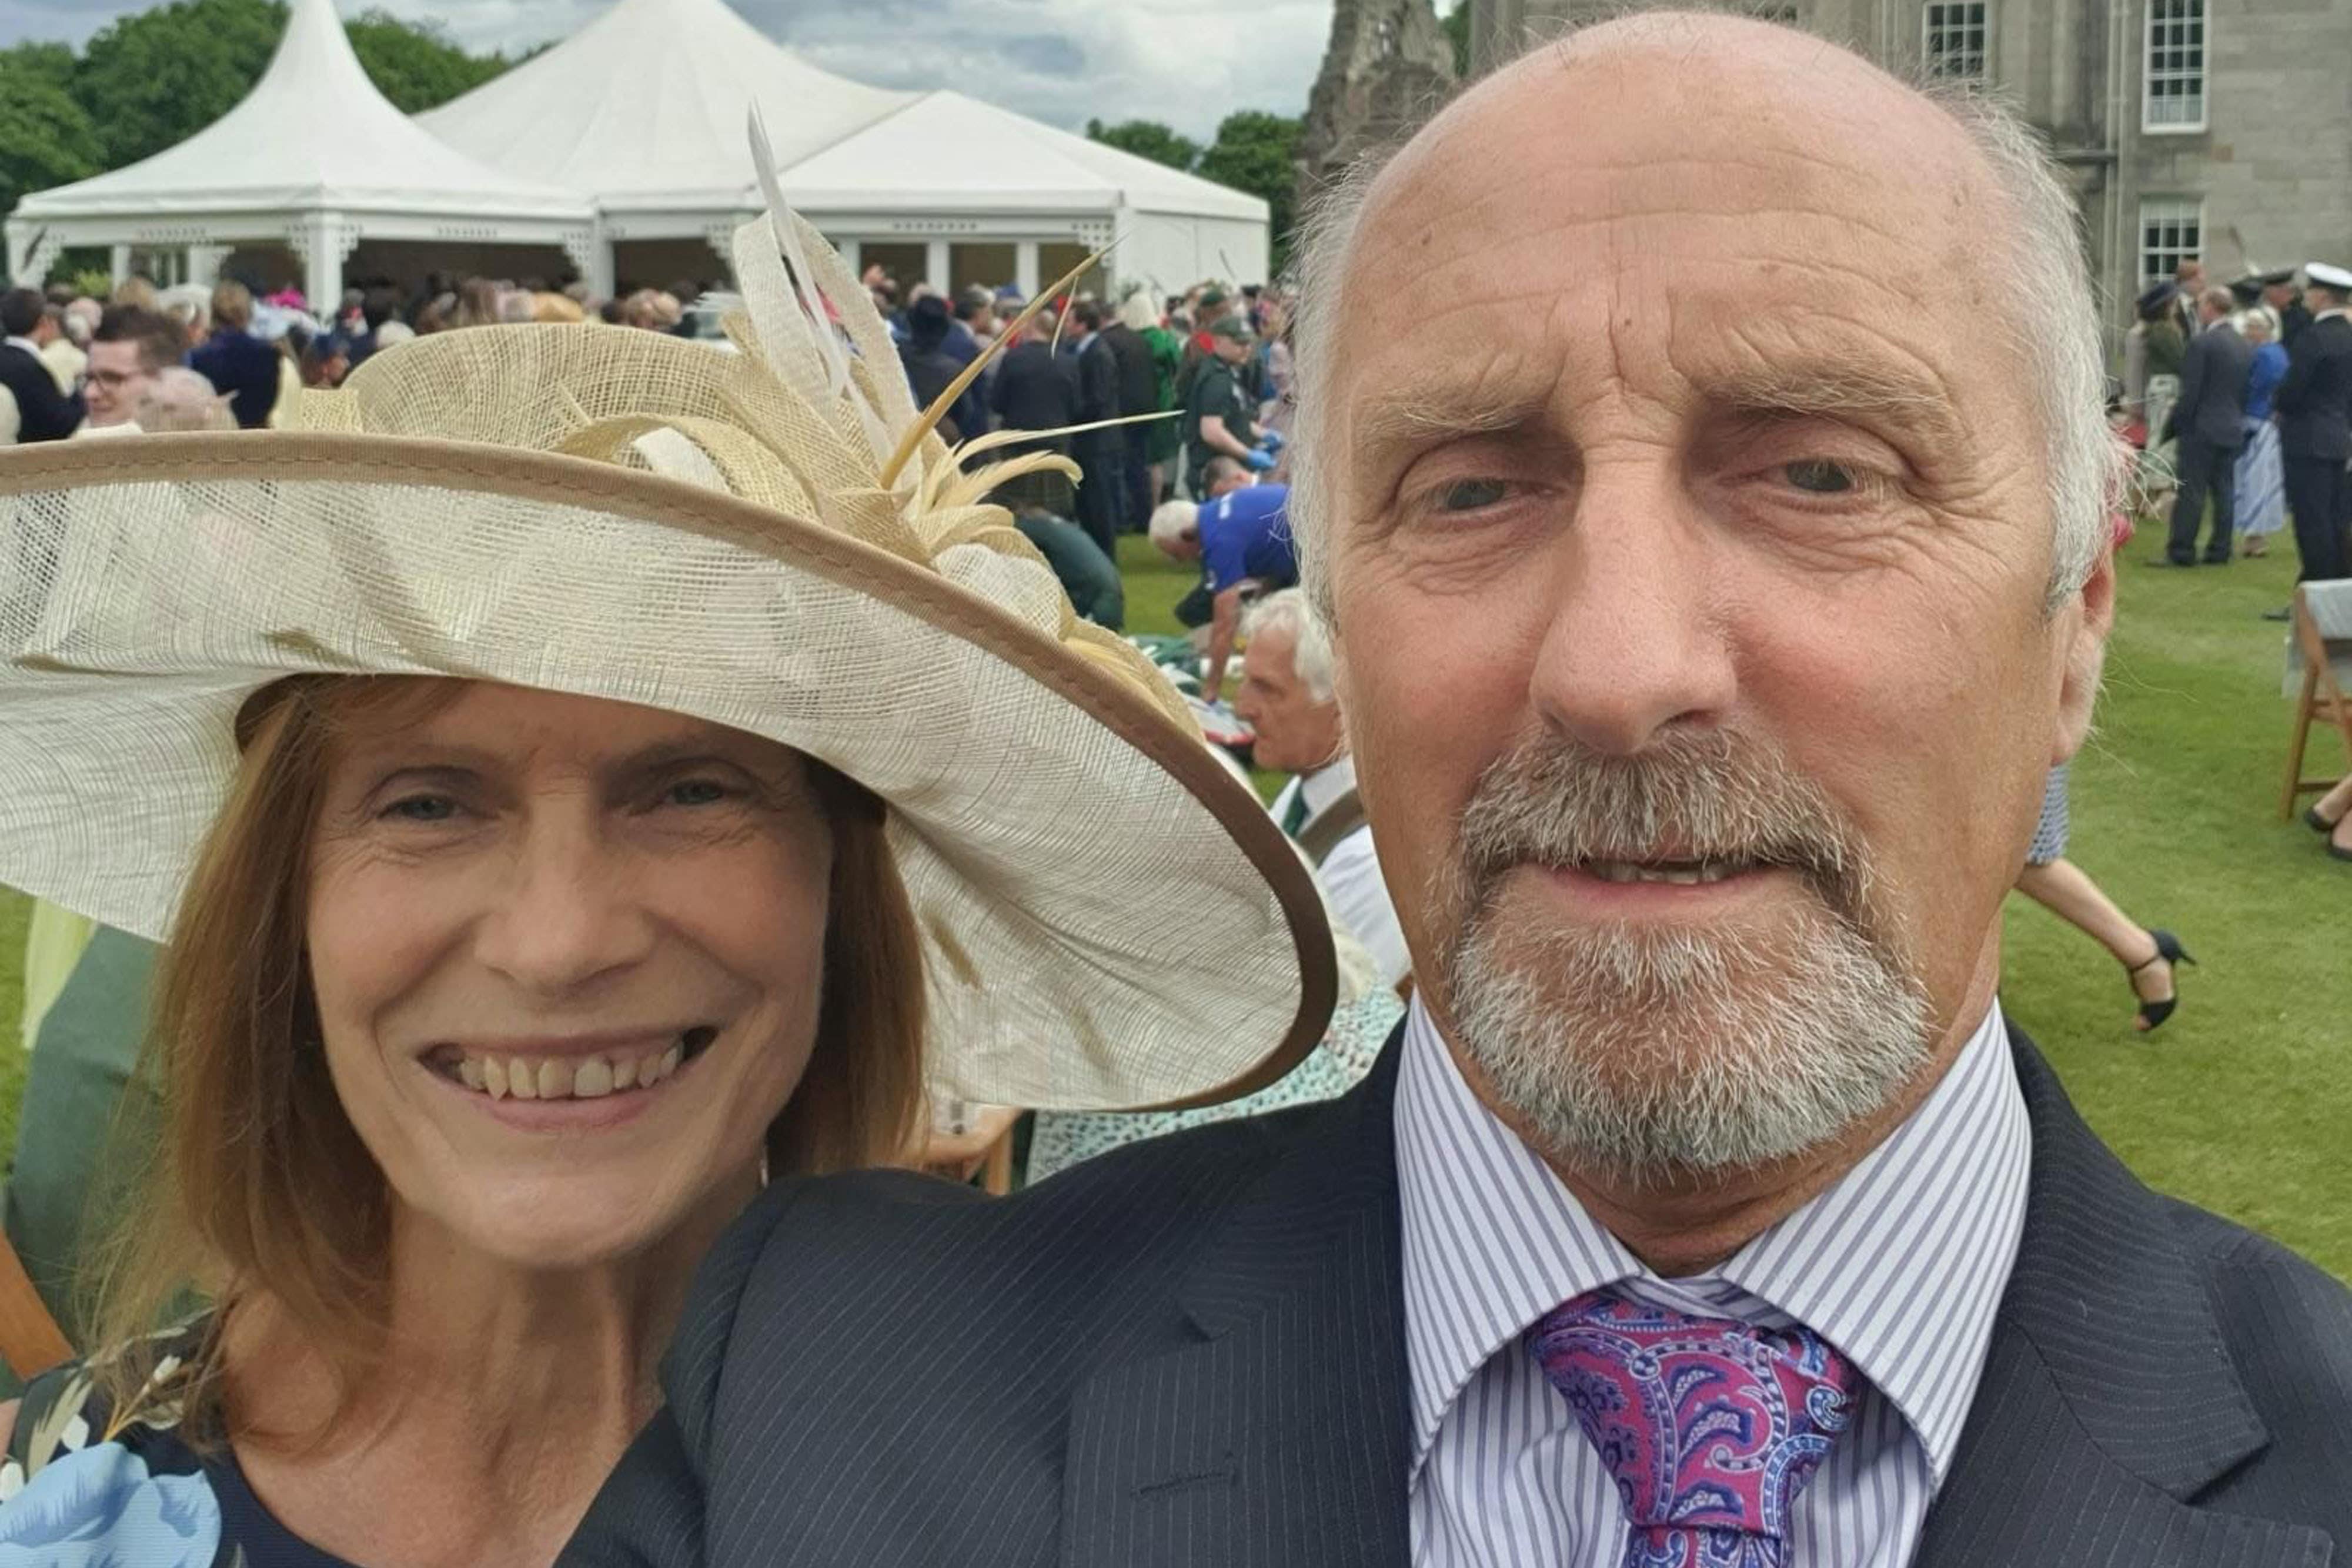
{"x": 2107, "y": 1401}
{"x": 1277, "y": 1437}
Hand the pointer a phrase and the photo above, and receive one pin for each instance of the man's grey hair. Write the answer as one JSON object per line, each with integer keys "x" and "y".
{"x": 1310, "y": 654}
{"x": 2046, "y": 268}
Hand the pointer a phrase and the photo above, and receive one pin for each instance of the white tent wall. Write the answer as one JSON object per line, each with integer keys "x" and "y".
{"x": 1170, "y": 252}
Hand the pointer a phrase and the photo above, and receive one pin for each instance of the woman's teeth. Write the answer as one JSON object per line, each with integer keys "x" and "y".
{"x": 566, "y": 1077}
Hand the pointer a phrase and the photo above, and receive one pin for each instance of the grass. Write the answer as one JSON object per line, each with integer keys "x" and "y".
{"x": 2240, "y": 1103}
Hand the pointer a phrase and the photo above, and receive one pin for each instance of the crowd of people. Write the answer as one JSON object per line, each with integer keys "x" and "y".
{"x": 542, "y": 887}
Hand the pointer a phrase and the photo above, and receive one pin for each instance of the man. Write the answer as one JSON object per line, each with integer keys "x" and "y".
{"x": 1138, "y": 396}
{"x": 132, "y": 344}
{"x": 1289, "y": 700}
{"x": 1709, "y": 620}
{"x": 931, "y": 369}
{"x": 1240, "y": 536}
{"x": 1096, "y": 590}
{"x": 1101, "y": 453}
{"x": 2315, "y": 410}
{"x": 2188, "y": 285}
{"x": 2281, "y": 294}
{"x": 44, "y": 411}
{"x": 1036, "y": 389}
{"x": 2209, "y": 420}
{"x": 238, "y": 364}
{"x": 1220, "y": 419}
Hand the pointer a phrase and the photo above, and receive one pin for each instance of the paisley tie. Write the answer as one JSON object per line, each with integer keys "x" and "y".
{"x": 1710, "y": 1427}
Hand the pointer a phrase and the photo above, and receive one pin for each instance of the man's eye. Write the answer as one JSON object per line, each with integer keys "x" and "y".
{"x": 1469, "y": 495}
{"x": 422, "y": 808}
{"x": 1820, "y": 476}
{"x": 695, "y": 792}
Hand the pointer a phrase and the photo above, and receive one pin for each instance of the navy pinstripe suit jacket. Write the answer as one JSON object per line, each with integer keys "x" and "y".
{"x": 1191, "y": 1351}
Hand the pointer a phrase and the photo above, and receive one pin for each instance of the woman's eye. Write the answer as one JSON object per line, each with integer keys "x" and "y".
{"x": 1820, "y": 476}
{"x": 1469, "y": 495}
{"x": 695, "y": 792}
{"x": 422, "y": 808}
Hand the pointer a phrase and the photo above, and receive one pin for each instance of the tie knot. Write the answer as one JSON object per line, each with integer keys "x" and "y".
{"x": 1710, "y": 1427}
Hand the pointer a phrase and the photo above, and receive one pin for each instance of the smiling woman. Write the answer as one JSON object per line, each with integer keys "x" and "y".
{"x": 571, "y": 803}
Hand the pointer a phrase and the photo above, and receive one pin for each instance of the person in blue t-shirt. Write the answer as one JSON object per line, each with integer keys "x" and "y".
{"x": 1241, "y": 537}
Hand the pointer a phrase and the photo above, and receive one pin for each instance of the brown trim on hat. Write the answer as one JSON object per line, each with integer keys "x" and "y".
{"x": 850, "y": 563}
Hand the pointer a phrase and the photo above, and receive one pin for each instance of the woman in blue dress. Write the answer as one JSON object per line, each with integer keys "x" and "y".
{"x": 2262, "y": 472}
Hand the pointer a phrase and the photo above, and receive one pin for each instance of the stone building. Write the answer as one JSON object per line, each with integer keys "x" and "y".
{"x": 2219, "y": 130}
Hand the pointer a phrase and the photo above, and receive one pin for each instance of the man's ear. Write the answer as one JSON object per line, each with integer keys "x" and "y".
{"x": 2085, "y": 622}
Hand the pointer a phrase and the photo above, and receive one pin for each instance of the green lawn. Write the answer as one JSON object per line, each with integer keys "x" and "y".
{"x": 2241, "y": 1102}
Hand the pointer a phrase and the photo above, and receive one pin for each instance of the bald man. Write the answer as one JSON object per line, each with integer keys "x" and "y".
{"x": 1711, "y": 596}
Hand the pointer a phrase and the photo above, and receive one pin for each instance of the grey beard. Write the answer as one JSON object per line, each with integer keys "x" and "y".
{"x": 1654, "y": 1055}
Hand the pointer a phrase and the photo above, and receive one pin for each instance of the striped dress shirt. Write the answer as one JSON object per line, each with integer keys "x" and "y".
{"x": 1900, "y": 1264}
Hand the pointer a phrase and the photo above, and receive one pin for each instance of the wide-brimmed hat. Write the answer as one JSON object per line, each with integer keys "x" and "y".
{"x": 768, "y": 538}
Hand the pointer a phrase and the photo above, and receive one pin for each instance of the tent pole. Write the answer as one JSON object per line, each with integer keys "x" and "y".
{"x": 1024, "y": 269}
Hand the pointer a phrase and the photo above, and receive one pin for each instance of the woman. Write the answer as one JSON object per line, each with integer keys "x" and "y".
{"x": 583, "y": 774}
{"x": 2262, "y": 472}
{"x": 2154, "y": 350}
{"x": 2331, "y": 816}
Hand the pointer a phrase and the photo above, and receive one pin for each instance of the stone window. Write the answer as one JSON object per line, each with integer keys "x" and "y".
{"x": 2173, "y": 67}
{"x": 1953, "y": 48}
{"x": 2171, "y": 231}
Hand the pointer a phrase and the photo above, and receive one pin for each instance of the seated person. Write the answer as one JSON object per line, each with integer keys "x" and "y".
{"x": 1288, "y": 699}
{"x": 1240, "y": 536}
{"x": 1090, "y": 578}
{"x": 515, "y": 941}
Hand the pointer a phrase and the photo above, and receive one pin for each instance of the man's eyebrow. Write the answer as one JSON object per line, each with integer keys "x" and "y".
{"x": 1841, "y": 390}
{"x": 1432, "y": 413}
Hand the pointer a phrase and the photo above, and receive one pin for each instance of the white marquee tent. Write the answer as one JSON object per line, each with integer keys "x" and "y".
{"x": 315, "y": 160}
{"x": 644, "y": 112}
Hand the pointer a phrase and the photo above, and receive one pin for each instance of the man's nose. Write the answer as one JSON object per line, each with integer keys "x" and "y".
{"x": 568, "y": 911}
{"x": 1635, "y": 644}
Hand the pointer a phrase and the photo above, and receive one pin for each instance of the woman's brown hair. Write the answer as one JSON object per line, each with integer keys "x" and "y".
{"x": 259, "y": 1187}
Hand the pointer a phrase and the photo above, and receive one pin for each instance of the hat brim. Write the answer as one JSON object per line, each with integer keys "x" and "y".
{"x": 1109, "y": 919}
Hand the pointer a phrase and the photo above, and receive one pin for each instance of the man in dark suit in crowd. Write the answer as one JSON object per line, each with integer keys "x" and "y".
{"x": 2281, "y": 294}
{"x": 45, "y": 412}
{"x": 2314, "y": 408}
{"x": 2210, "y": 421}
{"x": 1709, "y": 620}
{"x": 1101, "y": 453}
{"x": 1035, "y": 388}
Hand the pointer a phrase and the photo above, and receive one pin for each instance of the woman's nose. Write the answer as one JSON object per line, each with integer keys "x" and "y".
{"x": 567, "y": 913}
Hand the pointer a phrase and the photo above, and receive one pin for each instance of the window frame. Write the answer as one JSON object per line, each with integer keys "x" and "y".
{"x": 2158, "y": 206}
{"x": 2149, "y": 75}
{"x": 1929, "y": 27}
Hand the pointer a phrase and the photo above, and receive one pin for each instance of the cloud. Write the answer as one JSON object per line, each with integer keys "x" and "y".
{"x": 1186, "y": 62}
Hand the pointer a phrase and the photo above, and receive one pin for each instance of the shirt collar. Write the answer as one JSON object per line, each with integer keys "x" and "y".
{"x": 2323, "y": 314}
{"x": 26, "y": 344}
{"x": 1901, "y": 1263}
{"x": 1328, "y": 783}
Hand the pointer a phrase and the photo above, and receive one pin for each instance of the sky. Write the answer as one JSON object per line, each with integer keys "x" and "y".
{"x": 1187, "y": 63}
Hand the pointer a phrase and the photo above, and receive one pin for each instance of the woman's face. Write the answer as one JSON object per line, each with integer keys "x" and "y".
{"x": 567, "y": 954}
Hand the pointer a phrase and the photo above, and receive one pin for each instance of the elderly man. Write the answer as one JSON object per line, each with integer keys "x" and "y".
{"x": 1712, "y": 595}
{"x": 1289, "y": 700}
{"x": 1240, "y": 536}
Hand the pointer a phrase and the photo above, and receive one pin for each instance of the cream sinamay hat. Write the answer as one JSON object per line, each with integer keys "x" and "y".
{"x": 771, "y": 539}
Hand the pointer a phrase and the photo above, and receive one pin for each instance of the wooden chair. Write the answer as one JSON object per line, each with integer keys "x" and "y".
{"x": 2323, "y": 644}
{"x": 30, "y": 1340}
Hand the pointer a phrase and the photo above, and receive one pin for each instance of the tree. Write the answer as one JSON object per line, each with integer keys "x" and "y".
{"x": 158, "y": 78}
{"x": 1147, "y": 138}
{"x": 1456, "y": 25}
{"x": 44, "y": 137}
{"x": 1253, "y": 152}
{"x": 416, "y": 66}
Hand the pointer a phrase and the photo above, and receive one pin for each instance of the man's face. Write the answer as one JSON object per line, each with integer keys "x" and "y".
{"x": 1689, "y": 568}
{"x": 2279, "y": 296}
{"x": 1295, "y": 732}
{"x": 118, "y": 380}
{"x": 1232, "y": 350}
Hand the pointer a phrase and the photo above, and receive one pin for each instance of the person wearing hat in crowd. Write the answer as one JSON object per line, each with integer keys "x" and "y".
{"x": 2153, "y": 351}
{"x": 572, "y": 805}
{"x": 2280, "y": 293}
{"x": 931, "y": 369}
{"x": 2210, "y": 424}
{"x": 2314, "y": 409}
{"x": 1220, "y": 417}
